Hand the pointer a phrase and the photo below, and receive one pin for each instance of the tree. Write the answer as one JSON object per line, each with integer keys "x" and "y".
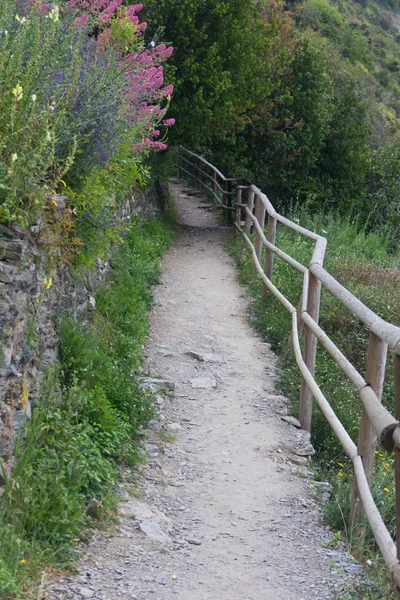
{"x": 214, "y": 65}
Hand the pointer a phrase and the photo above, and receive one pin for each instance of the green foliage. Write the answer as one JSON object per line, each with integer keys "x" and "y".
{"x": 214, "y": 66}
{"x": 384, "y": 189}
{"x": 86, "y": 419}
{"x": 267, "y": 102}
{"x": 28, "y": 127}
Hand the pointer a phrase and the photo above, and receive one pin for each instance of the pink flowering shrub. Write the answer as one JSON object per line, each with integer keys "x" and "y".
{"x": 145, "y": 94}
{"x": 81, "y": 86}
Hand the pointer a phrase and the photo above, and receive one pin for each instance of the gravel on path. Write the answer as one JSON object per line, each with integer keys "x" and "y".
{"x": 222, "y": 513}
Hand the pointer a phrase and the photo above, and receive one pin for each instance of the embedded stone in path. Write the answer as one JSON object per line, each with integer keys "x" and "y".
{"x": 154, "y": 531}
{"x": 292, "y": 421}
{"x": 157, "y": 384}
{"x": 215, "y": 359}
{"x": 203, "y": 382}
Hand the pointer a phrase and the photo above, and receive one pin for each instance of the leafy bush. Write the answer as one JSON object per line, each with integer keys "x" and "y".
{"x": 77, "y": 84}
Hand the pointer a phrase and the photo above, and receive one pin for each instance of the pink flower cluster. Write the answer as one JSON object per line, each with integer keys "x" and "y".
{"x": 143, "y": 68}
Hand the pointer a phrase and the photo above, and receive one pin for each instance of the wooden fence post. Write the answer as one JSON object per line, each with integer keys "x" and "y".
{"x": 309, "y": 352}
{"x": 260, "y": 216}
{"x": 396, "y": 367}
{"x": 248, "y": 222}
{"x": 214, "y": 184}
{"x": 180, "y": 172}
{"x": 229, "y": 201}
{"x": 375, "y": 375}
{"x": 269, "y": 256}
{"x": 238, "y": 212}
{"x": 225, "y": 197}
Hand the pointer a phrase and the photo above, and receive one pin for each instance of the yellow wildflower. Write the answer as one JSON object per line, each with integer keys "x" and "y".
{"x": 386, "y": 490}
{"x": 340, "y": 474}
{"x": 311, "y": 486}
{"x": 54, "y": 203}
{"x": 34, "y": 97}
{"x": 63, "y": 182}
{"x": 23, "y": 561}
{"x": 340, "y": 465}
{"x": 386, "y": 465}
{"x": 384, "y": 473}
{"x": 17, "y": 92}
{"x": 14, "y": 157}
{"x": 20, "y": 19}
{"x": 54, "y": 15}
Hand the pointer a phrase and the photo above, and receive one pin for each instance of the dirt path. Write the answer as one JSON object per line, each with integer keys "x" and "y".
{"x": 223, "y": 515}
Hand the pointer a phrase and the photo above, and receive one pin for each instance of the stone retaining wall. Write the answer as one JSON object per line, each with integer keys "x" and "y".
{"x": 30, "y": 301}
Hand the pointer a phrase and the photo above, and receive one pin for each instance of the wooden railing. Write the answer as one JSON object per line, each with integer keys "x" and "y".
{"x": 221, "y": 188}
{"x": 255, "y": 212}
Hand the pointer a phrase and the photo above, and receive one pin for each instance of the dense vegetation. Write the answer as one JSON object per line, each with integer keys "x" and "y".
{"x": 82, "y": 104}
{"x": 302, "y": 99}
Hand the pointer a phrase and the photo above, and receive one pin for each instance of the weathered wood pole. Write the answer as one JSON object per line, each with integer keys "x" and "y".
{"x": 229, "y": 194}
{"x": 269, "y": 256}
{"x": 214, "y": 184}
{"x": 397, "y": 454}
{"x": 238, "y": 212}
{"x": 309, "y": 352}
{"x": 180, "y": 172}
{"x": 260, "y": 216}
{"x": 375, "y": 376}
{"x": 248, "y": 222}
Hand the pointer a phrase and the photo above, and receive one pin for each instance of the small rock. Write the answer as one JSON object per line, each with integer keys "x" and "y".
{"x": 174, "y": 427}
{"x": 354, "y": 569}
{"x": 194, "y": 542}
{"x": 86, "y": 592}
{"x": 154, "y": 425}
{"x": 154, "y": 531}
{"x": 325, "y": 497}
{"x": 215, "y": 359}
{"x": 158, "y": 384}
{"x": 195, "y": 355}
{"x": 133, "y": 509}
{"x": 298, "y": 460}
{"x": 292, "y": 421}
{"x": 152, "y": 449}
{"x": 203, "y": 382}
{"x": 304, "y": 450}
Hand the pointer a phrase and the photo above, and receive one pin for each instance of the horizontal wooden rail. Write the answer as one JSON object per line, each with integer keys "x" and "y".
{"x": 386, "y": 331}
{"x": 376, "y": 421}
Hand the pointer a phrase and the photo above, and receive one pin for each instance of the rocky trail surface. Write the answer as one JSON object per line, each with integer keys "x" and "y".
{"x": 220, "y": 512}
